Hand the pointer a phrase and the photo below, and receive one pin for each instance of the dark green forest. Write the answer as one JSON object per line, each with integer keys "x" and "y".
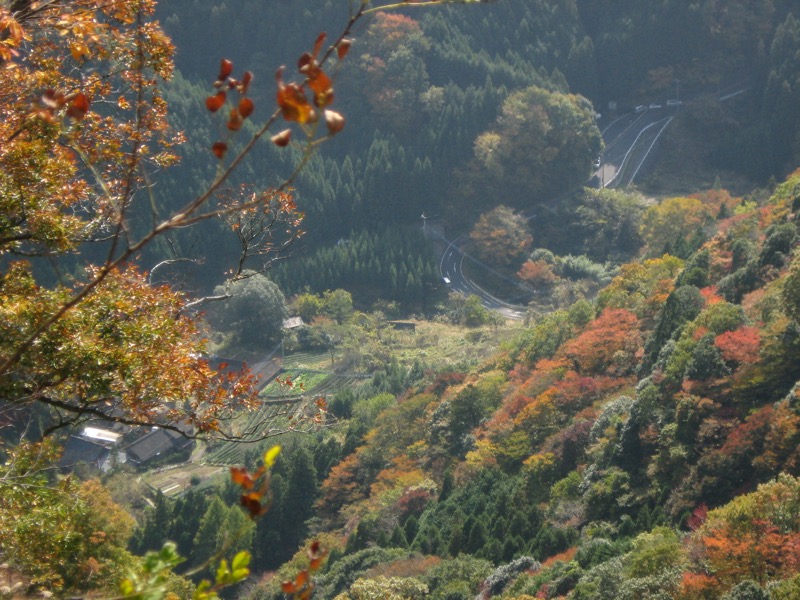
{"x": 425, "y": 91}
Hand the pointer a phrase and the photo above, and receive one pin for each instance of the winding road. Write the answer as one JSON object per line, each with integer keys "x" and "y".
{"x": 452, "y": 272}
{"x": 629, "y": 141}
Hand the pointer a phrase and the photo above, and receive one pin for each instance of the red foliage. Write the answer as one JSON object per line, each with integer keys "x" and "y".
{"x": 413, "y": 502}
{"x": 748, "y": 436}
{"x": 390, "y": 29}
{"x": 740, "y": 346}
{"x": 698, "y": 517}
{"x": 766, "y": 441}
{"x": 386, "y": 88}
{"x": 444, "y": 381}
{"x": 413, "y": 566}
{"x": 519, "y": 373}
{"x": 579, "y": 391}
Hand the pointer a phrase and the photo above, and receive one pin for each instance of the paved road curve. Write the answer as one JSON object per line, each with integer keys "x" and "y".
{"x": 628, "y": 139}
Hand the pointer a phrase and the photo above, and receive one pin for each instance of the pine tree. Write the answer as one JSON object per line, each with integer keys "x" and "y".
{"x": 206, "y": 538}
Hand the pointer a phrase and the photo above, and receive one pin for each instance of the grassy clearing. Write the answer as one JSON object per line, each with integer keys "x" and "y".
{"x": 308, "y": 360}
{"x": 440, "y": 345}
{"x": 173, "y": 481}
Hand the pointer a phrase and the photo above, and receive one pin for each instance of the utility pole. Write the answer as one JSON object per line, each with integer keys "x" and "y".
{"x": 602, "y": 174}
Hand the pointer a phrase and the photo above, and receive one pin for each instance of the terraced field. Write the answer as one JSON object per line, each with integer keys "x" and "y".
{"x": 302, "y": 382}
{"x": 307, "y": 360}
{"x": 252, "y": 426}
{"x": 281, "y": 405}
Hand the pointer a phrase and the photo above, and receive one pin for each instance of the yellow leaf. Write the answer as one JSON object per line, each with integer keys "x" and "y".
{"x": 270, "y": 456}
{"x": 79, "y": 51}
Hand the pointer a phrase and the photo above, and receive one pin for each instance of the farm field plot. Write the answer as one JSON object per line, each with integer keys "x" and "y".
{"x": 276, "y": 410}
{"x": 252, "y": 426}
{"x": 307, "y": 360}
{"x": 302, "y": 382}
{"x": 173, "y": 481}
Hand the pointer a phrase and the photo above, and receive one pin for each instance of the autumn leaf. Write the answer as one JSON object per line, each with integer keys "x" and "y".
{"x": 79, "y": 51}
{"x": 343, "y": 47}
{"x": 214, "y": 103}
{"x": 293, "y": 102}
{"x": 318, "y": 44}
{"x": 283, "y": 138}
{"x": 78, "y": 107}
{"x": 225, "y": 69}
{"x": 246, "y": 107}
{"x": 334, "y": 121}
{"x": 244, "y": 85}
{"x": 219, "y": 149}
{"x": 318, "y": 81}
{"x": 241, "y": 477}
{"x": 252, "y": 503}
{"x": 235, "y": 120}
{"x": 287, "y": 587}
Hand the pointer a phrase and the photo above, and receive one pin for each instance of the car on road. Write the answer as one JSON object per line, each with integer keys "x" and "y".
{"x": 640, "y": 108}
{"x": 655, "y": 105}
{"x": 446, "y": 280}
{"x": 597, "y": 162}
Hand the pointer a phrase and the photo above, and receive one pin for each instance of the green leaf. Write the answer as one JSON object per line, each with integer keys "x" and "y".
{"x": 241, "y": 560}
{"x": 223, "y": 572}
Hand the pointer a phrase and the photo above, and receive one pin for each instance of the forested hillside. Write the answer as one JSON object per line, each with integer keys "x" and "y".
{"x": 217, "y": 368}
{"x": 452, "y": 111}
{"x": 644, "y": 445}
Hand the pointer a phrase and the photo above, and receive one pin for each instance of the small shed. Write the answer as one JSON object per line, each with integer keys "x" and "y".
{"x": 403, "y": 325}
{"x": 293, "y": 323}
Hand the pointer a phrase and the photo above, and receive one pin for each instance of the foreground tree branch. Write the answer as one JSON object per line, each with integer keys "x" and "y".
{"x": 84, "y": 126}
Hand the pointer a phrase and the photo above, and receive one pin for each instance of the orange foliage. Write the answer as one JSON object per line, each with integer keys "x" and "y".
{"x": 607, "y": 345}
{"x": 402, "y": 473}
{"x": 699, "y": 586}
{"x": 565, "y": 556}
{"x": 538, "y": 273}
{"x": 541, "y": 414}
{"x": 710, "y": 296}
{"x": 546, "y": 374}
{"x": 770, "y": 436}
{"x": 341, "y": 487}
{"x": 761, "y": 552}
{"x": 390, "y": 29}
{"x": 388, "y": 89}
{"x": 713, "y": 200}
{"x": 576, "y": 391}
